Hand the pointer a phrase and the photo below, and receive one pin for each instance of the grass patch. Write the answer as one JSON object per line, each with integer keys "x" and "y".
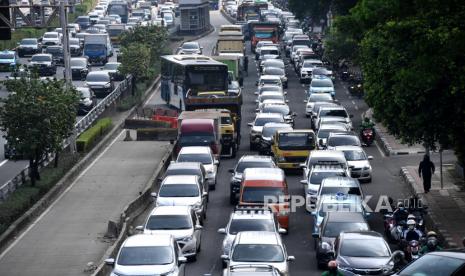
{"x": 25, "y": 196}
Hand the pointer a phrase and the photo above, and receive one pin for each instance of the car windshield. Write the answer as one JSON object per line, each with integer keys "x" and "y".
{"x": 240, "y": 225}
{"x": 333, "y": 229}
{"x": 78, "y": 63}
{"x": 226, "y": 120}
{"x": 145, "y": 255}
{"x": 74, "y": 42}
{"x": 270, "y": 88}
{"x": 54, "y": 50}
{"x": 269, "y": 131}
{"x": 41, "y": 58}
{"x": 321, "y": 83}
{"x": 268, "y": 52}
{"x": 98, "y": 78}
{"x": 168, "y": 222}
{"x": 334, "y": 113}
{"x": 82, "y": 20}
{"x": 196, "y": 139}
{"x": 317, "y": 177}
{"x": 94, "y": 47}
{"x": 28, "y": 42}
{"x": 272, "y": 63}
{"x": 179, "y": 190}
{"x": 183, "y": 171}
{"x": 325, "y": 190}
{"x": 296, "y": 141}
{"x": 250, "y": 164}
{"x": 258, "y": 253}
{"x": 355, "y": 155}
{"x": 276, "y": 108}
{"x": 271, "y": 97}
{"x": 339, "y": 207}
{"x": 50, "y": 35}
{"x": 432, "y": 265}
{"x": 85, "y": 93}
{"x": 324, "y": 133}
{"x": 363, "y": 249}
{"x": 320, "y": 97}
{"x": 258, "y": 194}
{"x": 343, "y": 140}
{"x": 263, "y": 121}
{"x": 204, "y": 158}
{"x": 190, "y": 46}
{"x": 273, "y": 71}
{"x": 7, "y": 56}
{"x": 111, "y": 66}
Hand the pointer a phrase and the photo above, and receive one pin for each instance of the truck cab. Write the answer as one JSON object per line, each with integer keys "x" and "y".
{"x": 290, "y": 148}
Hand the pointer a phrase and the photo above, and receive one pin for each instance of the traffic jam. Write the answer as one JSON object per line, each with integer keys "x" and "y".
{"x": 212, "y": 98}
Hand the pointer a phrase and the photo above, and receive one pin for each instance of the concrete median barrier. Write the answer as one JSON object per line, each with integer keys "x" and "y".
{"x": 157, "y": 134}
{"x": 130, "y": 123}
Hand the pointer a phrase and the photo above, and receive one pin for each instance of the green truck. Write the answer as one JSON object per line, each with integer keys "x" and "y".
{"x": 235, "y": 65}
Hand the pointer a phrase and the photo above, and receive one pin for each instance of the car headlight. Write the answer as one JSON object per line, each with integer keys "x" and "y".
{"x": 87, "y": 102}
{"x": 281, "y": 159}
{"x": 210, "y": 174}
{"x": 186, "y": 239}
{"x": 367, "y": 168}
{"x": 197, "y": 206}
{"x": 325, "y": 246}
{"x": 107, "y": 85}
{"x": 284, "y": 79}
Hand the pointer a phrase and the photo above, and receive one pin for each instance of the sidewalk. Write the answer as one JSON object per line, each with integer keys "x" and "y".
{"x": 390, "y": 144}
{"x": 446, "y": 207}
{"x": 70, "y": 234}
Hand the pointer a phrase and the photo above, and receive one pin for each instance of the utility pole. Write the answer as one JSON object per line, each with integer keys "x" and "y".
{"x": 66, "y": 54}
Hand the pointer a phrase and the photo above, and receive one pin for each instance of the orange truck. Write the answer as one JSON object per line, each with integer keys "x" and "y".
{"x": 263, "y": 31}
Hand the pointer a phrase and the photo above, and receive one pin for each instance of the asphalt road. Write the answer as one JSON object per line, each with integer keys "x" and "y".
{"x": 299, "y": 241}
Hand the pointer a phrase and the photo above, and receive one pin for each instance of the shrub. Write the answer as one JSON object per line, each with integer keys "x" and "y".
{"x": 87, "y": 139}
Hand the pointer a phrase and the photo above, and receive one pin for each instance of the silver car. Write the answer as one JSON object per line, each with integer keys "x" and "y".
{"x": 179, "y": 221}
{"x": 259, "y": 247}
{"x": 359, "y": 162}
{"x": 148, "y": 255}
{"x": 202, "y": 155}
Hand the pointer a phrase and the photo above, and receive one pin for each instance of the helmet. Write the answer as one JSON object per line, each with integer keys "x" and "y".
{"x": 366, "y": 119}
{"x": 400, "y": 205}
{"x": 411, "y": 217}
{"x": 431, "y": 234}
{"x": 411, "y": 224}
{"x": 332, "y": 264}
{"x": 432, "y": 243}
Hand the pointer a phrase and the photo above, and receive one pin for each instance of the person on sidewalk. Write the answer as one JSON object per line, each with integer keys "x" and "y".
{"x": 425, "y": 171}
{"x": 332, "y": 270}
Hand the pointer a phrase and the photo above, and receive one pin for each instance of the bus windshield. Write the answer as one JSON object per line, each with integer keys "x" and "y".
{"x": 209, "y": 78}
{"x": 296, "y": 141}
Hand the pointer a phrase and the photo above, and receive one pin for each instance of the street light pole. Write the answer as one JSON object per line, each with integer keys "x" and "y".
{"x": 66, "y": 54}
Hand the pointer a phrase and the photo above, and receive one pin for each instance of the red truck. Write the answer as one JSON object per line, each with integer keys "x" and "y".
{"x": 263, "y": 31}
{"x": 198, "y": 131}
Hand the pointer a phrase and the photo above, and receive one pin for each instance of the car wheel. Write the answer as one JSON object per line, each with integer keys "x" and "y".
{"x": 199, "y": 247}
{"x": 232, "y": 198}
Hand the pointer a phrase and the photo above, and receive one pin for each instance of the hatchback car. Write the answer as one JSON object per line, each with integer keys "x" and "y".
{"x": 333, "y": 224}
{"x": 202, "y": 155}
{"x": 179, "y": 221}
{"x": 148, "y": 255}
{"x": 100, "y": 82}
{"x": 246, "y": 161}
{"x": 359, "y": 162}
{"x": 313, "y": 98}
{"x": 182, "y": 190}
{"x": 257, "y": 126}
{"x": 270, "y": 96}
{"x": 362, "y": 252}
{"x": 259, "y": 247}
{"x": 248, "y": 218}
{"x": 87, "y": 100}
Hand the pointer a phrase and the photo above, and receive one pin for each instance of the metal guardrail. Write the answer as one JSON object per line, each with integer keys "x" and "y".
{"x": 80, "y": 126}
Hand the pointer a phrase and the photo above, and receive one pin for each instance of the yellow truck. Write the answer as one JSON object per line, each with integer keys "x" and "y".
{"x": 290, "y": 148}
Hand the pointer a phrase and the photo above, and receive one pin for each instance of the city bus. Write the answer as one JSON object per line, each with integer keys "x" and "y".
{"x": 250, "y": 10}
{"x": 192, "y": 76}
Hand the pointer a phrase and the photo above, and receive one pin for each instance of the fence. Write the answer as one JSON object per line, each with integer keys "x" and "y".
{"x": 85, "y": 122}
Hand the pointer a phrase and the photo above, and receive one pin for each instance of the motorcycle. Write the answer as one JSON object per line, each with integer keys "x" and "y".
{"x": 368, "y": 136}
{"x": 412, "y": 251}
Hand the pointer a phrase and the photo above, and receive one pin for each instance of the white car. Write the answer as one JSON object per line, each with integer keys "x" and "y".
{"x": 148, "y": 255}
{"x": 269, "y": 80}
{"x": 100, "y": 10}
{"x": 182, "y": 190}
{"x": 248, "y": 218}
{"x": 259, "y": 247}
{"x": 202, "y": 155}
{"x": 294, "y": 50}
{"x": 359, "y": 162}
{"x": 179, "y": 221}
{"x": 307, "y": 68}
{"x": 316, "y": 97}
{"x": 257, "y": 126}
{"x": 169, "y": 19}
{"x": 51, "y": 38}
{"x": 321, "y": 84}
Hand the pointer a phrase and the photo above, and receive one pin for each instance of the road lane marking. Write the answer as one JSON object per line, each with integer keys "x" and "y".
{"x": 356, "y": 107}
{"x": 353, "y": 102}
{"x": 347, "y": 92}
{"x": 58, "y": 199}
{"x": 153, "y": 94}
{"x": 3, "y": 162}
{"x": 379, "y": 149}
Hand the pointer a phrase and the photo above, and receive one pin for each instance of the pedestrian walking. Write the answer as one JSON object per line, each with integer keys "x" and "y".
{"x": 246, "y": 65}
{"x": 425, "y": 171}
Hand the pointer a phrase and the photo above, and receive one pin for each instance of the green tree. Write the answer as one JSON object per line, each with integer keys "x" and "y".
{"x": 413, "y": 63}
{"x": 155, "y": 37}
{"x": 316, "y": 9}
{"x": 37, "y": 117}
{"x": 135, "y": 60}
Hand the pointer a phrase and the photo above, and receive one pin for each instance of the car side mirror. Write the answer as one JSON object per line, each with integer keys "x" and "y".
{"x": 285, "y": 92}
{"x": 204, "y": 194}
{"x": 224, "y": 257}
{"x": 351, "y": 115}
{"x": 29, "y": 60}
{"x": 153, "y": 194}
{"x": 198, "y": 227}
{"x": 182, "y": 260}
{"x": 316, "y": 235}
{"x": 216, "y": 162}
{"x": 303, "y": 165}
{"x": 222, "y": 231}
{"x": 231, "y": 170}
{"x": 370, "y": 157}
{"x": 250, "y": 124}
{"x": 282, "y": 231}
{"x": 303, "y": 181}
{"x": 286, "y": 101}
{"x": 290, "y": 258}
{"x": 110, "y": 261}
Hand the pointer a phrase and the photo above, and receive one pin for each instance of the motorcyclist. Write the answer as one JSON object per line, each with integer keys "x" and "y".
{"x": 400, "y": 214}
{"x": 332, "y": 270}
{"x": 399, "y": 261}
{"x": 367, "y": 124}
{"x": 411, "y": 233}
{"x": 432, "y": 243}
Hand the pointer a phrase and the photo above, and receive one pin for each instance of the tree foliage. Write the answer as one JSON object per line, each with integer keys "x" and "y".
{"x": 316, "y": 9}
{"x": 37, "y": 117}
{"x": 155, "y": 37}
{"x": 135, "y": 60}
{"x": 413, "y": 63}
